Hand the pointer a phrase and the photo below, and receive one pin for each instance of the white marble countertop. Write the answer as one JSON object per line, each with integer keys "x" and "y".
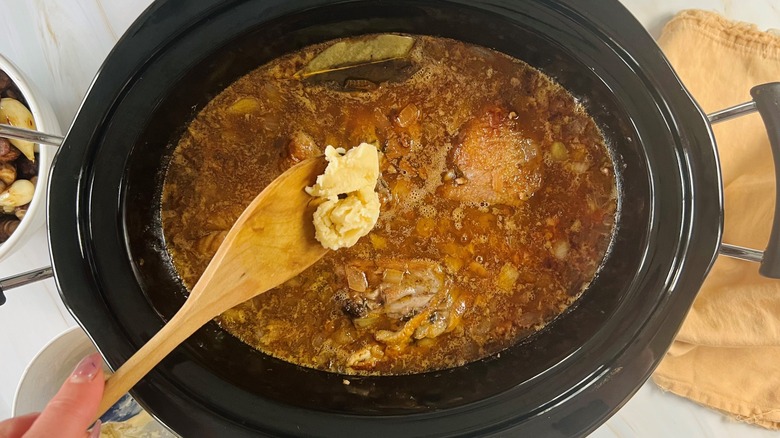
{"x": 60, "y": 45}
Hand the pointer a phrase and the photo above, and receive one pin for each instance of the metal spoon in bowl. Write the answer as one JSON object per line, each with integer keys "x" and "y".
{"x": 9, "y": 131}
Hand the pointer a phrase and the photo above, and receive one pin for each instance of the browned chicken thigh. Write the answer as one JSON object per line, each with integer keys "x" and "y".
{"x": 493, "y": 161}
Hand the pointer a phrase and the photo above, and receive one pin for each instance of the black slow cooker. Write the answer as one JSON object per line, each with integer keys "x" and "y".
{"x": 115, "y": 276}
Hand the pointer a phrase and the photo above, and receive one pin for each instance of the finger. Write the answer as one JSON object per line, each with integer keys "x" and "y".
{"x": 72, "y": 410}
{"x": 17, "y": 426}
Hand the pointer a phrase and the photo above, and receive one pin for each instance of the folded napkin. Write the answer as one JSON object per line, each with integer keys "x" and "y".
{"x": 727, "y": 354}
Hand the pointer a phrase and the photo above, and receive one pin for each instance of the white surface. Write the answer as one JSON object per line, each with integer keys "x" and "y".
{"x": 60, "y": 44}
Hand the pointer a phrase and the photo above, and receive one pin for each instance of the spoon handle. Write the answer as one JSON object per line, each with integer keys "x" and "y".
{"x": 30, "y": 135}
{"x": 183, "y": 324}
{"x": 271, "y": 242}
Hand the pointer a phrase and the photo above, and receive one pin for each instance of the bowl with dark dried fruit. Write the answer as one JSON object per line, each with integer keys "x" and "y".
{"x": 24, "y": 166}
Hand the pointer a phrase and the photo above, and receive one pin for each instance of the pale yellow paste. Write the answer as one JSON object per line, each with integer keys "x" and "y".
{"x": 339, "y": 223}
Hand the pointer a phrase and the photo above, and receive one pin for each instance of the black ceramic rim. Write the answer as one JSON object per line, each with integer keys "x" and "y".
{"x": 88, "y": 202}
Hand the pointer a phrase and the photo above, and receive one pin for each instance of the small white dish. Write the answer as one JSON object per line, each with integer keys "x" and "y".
{"x": 49, "y": 368}
{"x": 53, "y": 364}
{"x": 45, "y": 121}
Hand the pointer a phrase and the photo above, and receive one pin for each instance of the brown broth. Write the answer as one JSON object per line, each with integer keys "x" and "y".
{"x": 497, "y": 261}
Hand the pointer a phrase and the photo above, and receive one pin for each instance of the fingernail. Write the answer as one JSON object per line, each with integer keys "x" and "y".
{"x": 87, "y": 369}
{"x": 95, "y": 432}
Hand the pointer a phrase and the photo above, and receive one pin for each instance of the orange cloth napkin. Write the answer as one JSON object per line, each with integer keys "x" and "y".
{"x": 727, "y": 354}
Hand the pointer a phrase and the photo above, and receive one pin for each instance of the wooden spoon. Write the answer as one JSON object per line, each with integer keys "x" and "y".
{"x": 271, "y": 242}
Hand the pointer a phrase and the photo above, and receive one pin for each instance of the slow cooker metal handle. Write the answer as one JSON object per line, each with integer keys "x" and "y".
{"x": 23, "y": 279}
{"x": 766, "y": 100}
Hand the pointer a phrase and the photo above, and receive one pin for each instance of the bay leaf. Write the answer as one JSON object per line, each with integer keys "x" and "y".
{"x": 360, "y": 58}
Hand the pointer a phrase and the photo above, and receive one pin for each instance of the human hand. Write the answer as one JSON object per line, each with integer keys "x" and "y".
{"x": 70, "y": 412}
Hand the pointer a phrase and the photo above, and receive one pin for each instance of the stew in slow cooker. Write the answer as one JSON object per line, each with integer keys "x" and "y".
{"x": 498, "y": 201}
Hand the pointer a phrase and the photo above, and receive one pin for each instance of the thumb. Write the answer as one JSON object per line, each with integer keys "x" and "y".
{"x": 71, "y": 411}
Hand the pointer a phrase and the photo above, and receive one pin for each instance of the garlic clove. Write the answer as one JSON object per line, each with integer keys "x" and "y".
{"x": 7, "y": 173}
{"x": 20, "y": 193}
{"x": 16, "y": 114}
{"x": 21, "y": 211}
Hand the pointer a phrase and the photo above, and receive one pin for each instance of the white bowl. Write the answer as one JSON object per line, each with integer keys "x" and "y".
{"x": 49, "y": 368}
{"x": 54, "y": 363}
{"x": 45, "y": 121}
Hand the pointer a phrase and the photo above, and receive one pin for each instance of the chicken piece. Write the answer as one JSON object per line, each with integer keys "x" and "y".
{"x": 413, "y": 294}
{"x": 357, "y": 304}
{"x": 438, "y": 320}
{"x": 399, "y": 289}
{"x": 300, "y": 147}
{"x": 493, "y": 161}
